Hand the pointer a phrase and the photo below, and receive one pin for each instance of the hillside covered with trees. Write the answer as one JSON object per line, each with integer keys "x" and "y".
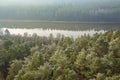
{"x": 62, "y": 10}
{"x": 94, "y": 57}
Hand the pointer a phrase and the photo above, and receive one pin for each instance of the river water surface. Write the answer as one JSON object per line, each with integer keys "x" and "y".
{"x": 64, "y": 28}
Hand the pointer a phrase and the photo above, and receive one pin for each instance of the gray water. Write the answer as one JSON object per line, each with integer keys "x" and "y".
{"x": 67, "y": 29}
{"x": 47, "y": 32}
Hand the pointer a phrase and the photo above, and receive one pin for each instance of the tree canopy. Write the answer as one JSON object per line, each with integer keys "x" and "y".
{"x": 94, "y": 57}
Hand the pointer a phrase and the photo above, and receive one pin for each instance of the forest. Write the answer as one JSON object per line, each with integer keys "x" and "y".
{"x": 87, "y": 57}
{"x": 61, "y": 10}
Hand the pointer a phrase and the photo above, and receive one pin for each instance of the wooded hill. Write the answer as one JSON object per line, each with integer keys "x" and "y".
{"x": 61, "y": 10}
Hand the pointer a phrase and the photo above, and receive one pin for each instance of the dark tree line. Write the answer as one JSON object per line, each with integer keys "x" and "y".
{"x": 105, "y": 10}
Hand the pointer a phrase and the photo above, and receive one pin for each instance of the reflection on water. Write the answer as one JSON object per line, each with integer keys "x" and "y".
{"x": 75, "y": 26}
{"x": 70, "y": 29}
{"x": 47, "y": 32}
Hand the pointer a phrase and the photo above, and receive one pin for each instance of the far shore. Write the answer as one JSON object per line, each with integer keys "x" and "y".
{"x": 57, "y": 21}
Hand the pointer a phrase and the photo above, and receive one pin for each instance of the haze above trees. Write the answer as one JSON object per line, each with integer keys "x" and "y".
{"x": 61, "y": 10}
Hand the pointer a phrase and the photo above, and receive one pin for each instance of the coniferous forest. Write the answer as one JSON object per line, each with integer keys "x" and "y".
{"x": 61, "y": 10}
{"x": 87, "y": 57}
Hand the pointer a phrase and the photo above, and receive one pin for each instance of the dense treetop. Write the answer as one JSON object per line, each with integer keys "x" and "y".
{"x": 94, "y": 57}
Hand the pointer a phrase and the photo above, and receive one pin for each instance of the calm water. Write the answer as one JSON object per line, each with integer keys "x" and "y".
{"x": 47, "y": 32}
{"x": 64, "y": 28}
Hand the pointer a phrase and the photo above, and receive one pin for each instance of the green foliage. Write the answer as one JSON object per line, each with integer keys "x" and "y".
{"x": 6, "y": 44}
{"x": 3, "y": 57}
{"x": 94, "y": 57}
{"x": 59, "y": 59}
{"x": 15, "y": 66}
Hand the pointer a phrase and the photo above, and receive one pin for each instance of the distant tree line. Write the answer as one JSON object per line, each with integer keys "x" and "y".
{"x": 99, "y": 11}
